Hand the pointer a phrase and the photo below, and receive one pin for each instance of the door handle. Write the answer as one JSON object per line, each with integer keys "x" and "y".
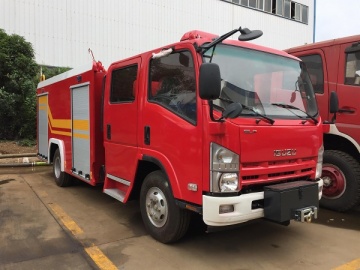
{"x": 108, "y": 132}
{"x": 344, "y": 110}
{"x": 147, "y": 135}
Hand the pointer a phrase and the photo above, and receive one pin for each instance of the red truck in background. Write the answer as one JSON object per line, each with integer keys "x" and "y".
{"x": 203, "y": 125}
{"x": 334, "y": 66}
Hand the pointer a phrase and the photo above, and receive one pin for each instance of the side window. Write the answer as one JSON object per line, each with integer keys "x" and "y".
{"x": 172, "y": 84}
{"x": 314, "y": 66}
{"x": 352, "y": 72}
{"x": 123, "y": 84}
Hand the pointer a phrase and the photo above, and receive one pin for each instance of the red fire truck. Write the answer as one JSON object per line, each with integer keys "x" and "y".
{"x": 223, "y": 128}
{"x": 334, "y": 66}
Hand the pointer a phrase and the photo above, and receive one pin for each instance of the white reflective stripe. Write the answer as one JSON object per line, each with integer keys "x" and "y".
{"x": 334, "y": 130}
{"x": 117, "y": 179}
{"x": 60, "y": 144}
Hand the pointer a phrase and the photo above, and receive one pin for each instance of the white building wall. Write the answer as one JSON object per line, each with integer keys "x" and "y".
{"x": 62, "y": 31}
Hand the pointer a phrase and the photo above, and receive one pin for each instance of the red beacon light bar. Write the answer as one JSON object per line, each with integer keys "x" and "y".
{"x": 196, "y": 34}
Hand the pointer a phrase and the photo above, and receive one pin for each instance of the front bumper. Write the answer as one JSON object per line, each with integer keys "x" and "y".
{"x": 242, "y": 208}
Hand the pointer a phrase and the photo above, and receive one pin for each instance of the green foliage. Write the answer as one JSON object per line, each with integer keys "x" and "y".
{"x": 19, "y": 76}
{"x": 27, "y": 142}
{"x": 17, "y": 87}
{"x": 53, "y": 71}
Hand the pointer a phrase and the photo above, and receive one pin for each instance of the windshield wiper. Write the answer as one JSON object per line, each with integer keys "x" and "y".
{"x": 270, "y": 120}
{"x": 287, "y": 106}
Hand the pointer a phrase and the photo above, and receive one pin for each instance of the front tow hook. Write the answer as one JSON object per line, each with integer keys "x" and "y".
{"x": 306, "y": 214}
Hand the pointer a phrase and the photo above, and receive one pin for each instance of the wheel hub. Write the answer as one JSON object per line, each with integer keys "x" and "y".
{"x": 156, "y": 207}
{"x": 334, "y": 181}
{"x": 57, "y": 167}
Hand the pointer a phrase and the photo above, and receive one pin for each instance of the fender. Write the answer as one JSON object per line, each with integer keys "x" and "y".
{"x": 60, "y": 144}
{"x": 165, "y": 165}
{"x": 334, "y": 130}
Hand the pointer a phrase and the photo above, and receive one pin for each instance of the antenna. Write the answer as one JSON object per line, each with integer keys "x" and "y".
{"x": 92, "y": 55}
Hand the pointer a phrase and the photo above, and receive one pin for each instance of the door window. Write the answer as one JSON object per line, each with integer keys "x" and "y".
{"x": 352, "y": 72}
{"x": 123, "y": 84}
{"x": 315, "y": 68}
{"x": 172, "y": 84}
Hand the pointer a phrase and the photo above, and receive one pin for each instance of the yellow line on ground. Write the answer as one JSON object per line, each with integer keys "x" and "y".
{"x": 94, "y": 252}
{"x": 100, "y": 259}
{"x": 353, "y": 265}
{"x": 65, "y": 219}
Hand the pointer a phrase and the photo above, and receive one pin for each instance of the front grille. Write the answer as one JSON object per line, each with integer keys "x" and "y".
{"x": 275, "y": 171}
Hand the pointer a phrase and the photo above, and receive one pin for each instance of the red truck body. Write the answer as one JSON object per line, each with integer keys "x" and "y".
{"x": 125, "y": 129}
{"x": 334, "y": 66}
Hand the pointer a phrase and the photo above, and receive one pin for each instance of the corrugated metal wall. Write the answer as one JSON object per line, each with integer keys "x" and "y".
{"x": 62, "y": 31}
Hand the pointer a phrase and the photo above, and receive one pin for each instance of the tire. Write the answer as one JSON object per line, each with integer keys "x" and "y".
{"x": 163, "y": 219}
{"x": 341, "y": 175}
{"x": 62, "y": 179}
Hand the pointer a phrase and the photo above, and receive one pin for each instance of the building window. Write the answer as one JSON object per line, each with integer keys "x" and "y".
{"x": 268, "y": 6}
{"x": 252, "y": 3}
{"x": 280, "y": 7}
{"x": 123, "y": 82}
{"x": 296, "y": 11}
{"x": 304, "y": 14}
{"x": 285, "y": 8}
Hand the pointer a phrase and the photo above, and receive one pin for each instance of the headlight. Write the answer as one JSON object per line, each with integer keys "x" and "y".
{"x": 229, "y": 182}
{"x": 224, "y": 169}
{"x": 319, "y": 163}
{"x": 225, "y": 156}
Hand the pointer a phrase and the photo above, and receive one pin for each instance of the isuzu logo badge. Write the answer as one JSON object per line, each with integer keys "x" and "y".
{"x": 284, "y": 152}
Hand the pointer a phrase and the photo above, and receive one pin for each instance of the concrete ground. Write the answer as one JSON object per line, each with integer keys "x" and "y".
{"x": 43, "y": 226}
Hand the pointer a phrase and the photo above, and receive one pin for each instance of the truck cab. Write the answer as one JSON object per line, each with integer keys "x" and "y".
{"x": 205, "y": 140}
{"x": 334, "y": 67}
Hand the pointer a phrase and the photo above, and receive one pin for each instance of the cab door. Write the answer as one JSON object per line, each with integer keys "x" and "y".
{"x": 316, "y": 64}
{"x": 348, "y": 90}
{"x": 120, "y": 126}
{"x": 171, "y": 120}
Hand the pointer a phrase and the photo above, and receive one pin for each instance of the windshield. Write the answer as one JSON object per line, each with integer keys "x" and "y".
{"x": 263, "y": 81}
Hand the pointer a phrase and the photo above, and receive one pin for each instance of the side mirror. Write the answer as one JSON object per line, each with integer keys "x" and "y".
{"x": 209, "y": 81}
{"x": 334, "y": 102}
{"x": 334, "y": 105}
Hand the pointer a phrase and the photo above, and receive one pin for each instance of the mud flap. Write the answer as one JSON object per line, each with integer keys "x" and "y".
{"x": 295, "y": 200}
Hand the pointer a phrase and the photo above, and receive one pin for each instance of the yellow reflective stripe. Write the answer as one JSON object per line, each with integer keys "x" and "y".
{"x": 100, "y": 258}
{"x": 59, "y": 123}
{"x": 43, "y": 100}
{"x": 353, "y": 265}
{"x": 81, "y": 136}
{"x": 81, "y": 124}
{"x": 65, "y": 219}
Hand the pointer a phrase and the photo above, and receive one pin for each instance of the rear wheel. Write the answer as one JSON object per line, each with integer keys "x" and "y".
{"x": 341, "y": 175}
{"x": 163, "y": 219}
{"x": 62, "y": 179}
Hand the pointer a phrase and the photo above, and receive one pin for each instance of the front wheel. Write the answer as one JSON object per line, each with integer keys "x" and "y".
{"x": 163, "y": 219}
{"x": 341, "y": 175}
